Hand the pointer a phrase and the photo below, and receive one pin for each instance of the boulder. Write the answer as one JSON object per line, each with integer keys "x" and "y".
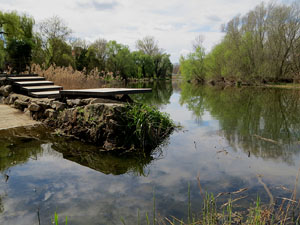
{"x": 19, "y": 104}
{"x": 58, "y": 105}
{"x": 34, "y": 107}
{"x": 5, "y": 90}
{"x": 51, "y": 113}
{"x": 74, "y": 102}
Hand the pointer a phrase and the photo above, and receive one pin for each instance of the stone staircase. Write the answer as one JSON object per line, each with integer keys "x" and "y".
{"x": 33, "y": 85}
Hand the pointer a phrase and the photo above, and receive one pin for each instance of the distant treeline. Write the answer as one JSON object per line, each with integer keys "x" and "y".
{"x": 51, "y": 43}
{"x": 261, "y": 46}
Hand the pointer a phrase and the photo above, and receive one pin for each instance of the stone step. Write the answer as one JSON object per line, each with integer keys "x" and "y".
{"x": 17, "y": 79}
{"x": 34, "y": 83}
{"x": 45, "y": 94}
{"x": 18, "y": 75}
{"x": 42, "y": 88}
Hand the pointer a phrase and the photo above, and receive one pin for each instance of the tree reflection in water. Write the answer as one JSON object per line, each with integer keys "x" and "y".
{"x": 249, "y": 118}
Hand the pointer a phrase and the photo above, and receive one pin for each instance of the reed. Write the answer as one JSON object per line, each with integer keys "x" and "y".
{"x": 74, "y": 79}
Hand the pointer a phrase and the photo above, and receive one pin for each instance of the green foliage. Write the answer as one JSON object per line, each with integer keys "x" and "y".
{"x": 261, "y": 46}
{"x": 51, "y": 45}
{"x": 119, "y": 60}
{"x": 146, "y": 125}
{"x": 192, "y": 67}
{"x": 17, "y": 41}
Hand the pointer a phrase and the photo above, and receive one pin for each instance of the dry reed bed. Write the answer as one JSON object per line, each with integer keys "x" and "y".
{"x": 74, "y": 79}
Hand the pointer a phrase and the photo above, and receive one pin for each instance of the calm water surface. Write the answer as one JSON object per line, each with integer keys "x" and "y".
{"x": 220, "y": 147}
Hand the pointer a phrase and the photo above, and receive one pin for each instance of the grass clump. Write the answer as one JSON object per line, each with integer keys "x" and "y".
{"x": 146, "y": 126}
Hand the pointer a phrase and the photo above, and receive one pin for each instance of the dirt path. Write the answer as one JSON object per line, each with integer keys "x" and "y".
{"x": 10, "y": 118}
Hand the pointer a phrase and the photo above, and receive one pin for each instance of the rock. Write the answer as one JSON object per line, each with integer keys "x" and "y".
{"x": 58, "y": 105}
{"x": 11, "y": 99}
{"x": 43, "y": 103}
{"x": 27, "y": 111}
{"x": 34, "y": 107}
{"x": 103, "y": 100}
{"x": 37, "y": 115}
{"x": 87, "y": 101}
{"x": 51, "y": 113}
{"x": 74, "y": 102}
{"x": 19, "y": 104}
{"x": 6, "y": 90}
{"x": 68, "y": 115}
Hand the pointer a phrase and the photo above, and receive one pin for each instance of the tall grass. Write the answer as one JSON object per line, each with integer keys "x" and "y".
{"x": 146, "y": 126}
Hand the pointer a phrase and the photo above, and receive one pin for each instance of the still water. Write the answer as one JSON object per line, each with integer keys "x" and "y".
{"x": 232, "y": 138}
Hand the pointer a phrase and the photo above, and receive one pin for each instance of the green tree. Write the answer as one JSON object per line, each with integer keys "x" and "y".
{"x": 192, "y": 67}
{"x": 54, "y": 35}
{"x": 17, "y": 40}
{"x": 119, "y": 60}
{"x": 144, "y": 64}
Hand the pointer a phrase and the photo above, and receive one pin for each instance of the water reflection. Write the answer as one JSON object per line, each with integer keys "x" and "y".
{"x": 106, "y": 162}
{"x": 264, "y": 122}
{"x": 160, "y": 96}
{"x": 56, "y": 174}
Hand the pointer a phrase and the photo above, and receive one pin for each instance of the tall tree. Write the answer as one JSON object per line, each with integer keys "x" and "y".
{"x": 148, "y": 45}
{"x": 54, "y": 34}
{"x": 17, "y": 40}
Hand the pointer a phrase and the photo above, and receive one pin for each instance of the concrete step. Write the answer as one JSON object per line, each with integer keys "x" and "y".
{"x": 18, "y": 75}
{"x": 45, "y": 94}
{"x": 17, "y": 79}
{"x": 42, "y": 88}
{"x": 34, "y": 83}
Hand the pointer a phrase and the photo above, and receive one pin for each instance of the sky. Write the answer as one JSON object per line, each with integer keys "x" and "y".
{"x": 173, "y": 23}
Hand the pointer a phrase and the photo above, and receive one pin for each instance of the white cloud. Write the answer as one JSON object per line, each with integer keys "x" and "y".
{"x": 173, "y": 23}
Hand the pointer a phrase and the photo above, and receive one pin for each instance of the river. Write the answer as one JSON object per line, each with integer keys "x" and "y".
{"x": 232, "y": 139}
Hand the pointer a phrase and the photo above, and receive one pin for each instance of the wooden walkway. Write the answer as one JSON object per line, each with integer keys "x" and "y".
{"x": 36, "y": 86}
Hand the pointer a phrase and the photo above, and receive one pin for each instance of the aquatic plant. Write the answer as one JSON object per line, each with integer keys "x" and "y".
{"x": 146, "y": 126}
{"x": 56, "y": 219}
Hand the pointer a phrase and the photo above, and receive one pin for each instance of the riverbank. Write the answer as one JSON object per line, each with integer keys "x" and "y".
{"x": 12, "y": 118}
{"x": 113, "y": 124}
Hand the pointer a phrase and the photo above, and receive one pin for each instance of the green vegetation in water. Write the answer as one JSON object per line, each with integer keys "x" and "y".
{"x": 225, "y": 214}
{"x": 56, "y": 219}
{"x": 259, "y": 47}
{"x": 148, "y": 125}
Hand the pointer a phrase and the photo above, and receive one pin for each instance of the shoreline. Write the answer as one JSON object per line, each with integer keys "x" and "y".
{"x": 13, "y": 118}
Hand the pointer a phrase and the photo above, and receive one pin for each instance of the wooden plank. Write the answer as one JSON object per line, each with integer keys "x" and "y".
{"x": 42, "y": 88}
{"x": 45, "y": 94}
{"x": 34, "y": 83}
{"x": 17, "y": 79}
{"x": 100, "y": 92}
